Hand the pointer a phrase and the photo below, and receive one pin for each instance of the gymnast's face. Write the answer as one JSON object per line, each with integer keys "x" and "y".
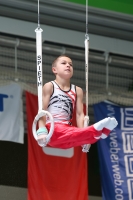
{"x": 63, "y": 67}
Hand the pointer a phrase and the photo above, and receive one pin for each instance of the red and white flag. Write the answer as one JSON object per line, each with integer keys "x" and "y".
{"x": 54, "y": 174}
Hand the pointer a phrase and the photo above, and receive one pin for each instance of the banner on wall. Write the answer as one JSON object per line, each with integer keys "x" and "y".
{"x": 54, "y": 173}
{"x": 116, "y": 152}
{"x": 11, "y": 114}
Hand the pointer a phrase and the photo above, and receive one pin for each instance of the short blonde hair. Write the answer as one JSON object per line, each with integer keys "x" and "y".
{"x": 55, "y": 60}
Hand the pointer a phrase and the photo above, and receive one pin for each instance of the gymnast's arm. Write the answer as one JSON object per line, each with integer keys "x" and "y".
{"x": 46, "y": 92}
{"x": 79, "y": 108}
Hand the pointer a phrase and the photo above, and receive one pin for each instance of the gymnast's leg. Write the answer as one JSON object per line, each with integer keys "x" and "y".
{"x": 66, "y": 136}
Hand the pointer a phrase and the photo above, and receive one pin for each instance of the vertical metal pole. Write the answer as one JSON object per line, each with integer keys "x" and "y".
{"x": 107, "y": 69}
{"x": 107, "y": 75}
{"x": 16, "y": 61}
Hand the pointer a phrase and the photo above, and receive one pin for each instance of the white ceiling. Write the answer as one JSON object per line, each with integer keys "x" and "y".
{"x": 70, "y": 16}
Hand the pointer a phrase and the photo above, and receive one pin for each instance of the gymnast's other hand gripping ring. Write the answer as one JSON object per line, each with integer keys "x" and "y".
{"x": 86, "y": 147}
{"x": 38, "y": 116}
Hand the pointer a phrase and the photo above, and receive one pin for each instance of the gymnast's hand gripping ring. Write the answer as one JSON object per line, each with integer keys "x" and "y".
{"x": 38, "y": 116}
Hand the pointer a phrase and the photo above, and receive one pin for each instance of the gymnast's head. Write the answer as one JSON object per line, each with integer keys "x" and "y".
{"x": 62, "y": 66}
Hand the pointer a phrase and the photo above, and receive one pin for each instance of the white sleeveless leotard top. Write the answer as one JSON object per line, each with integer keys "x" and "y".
{"x": 62, "y": 104}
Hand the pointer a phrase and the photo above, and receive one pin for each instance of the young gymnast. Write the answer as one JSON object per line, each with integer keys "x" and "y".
{"x": 61, "y": 98}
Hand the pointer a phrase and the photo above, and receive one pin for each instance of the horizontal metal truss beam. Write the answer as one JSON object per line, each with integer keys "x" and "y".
{"x": 25, "y": 29}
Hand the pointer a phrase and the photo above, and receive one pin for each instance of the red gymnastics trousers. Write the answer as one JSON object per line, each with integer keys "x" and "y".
{"x": 67, "y": 136}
